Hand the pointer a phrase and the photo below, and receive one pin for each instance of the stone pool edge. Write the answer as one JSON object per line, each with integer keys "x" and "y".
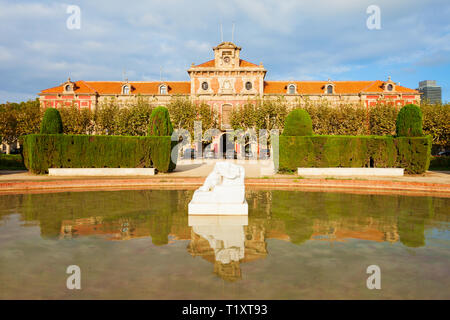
{"x": 359, "y": 186}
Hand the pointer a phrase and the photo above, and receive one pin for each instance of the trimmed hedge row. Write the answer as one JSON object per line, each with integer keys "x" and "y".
{"x": 11, "y": 162}
{"x": 43, "y": 151}
{"x": 440, "y": 163}
{"x": 411, "y": 153}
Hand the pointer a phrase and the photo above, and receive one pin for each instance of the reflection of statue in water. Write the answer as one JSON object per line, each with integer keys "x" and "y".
{"x": 223, "y": 192}
{"x": 225, "y": 236}
{"x": 230, "y": 272}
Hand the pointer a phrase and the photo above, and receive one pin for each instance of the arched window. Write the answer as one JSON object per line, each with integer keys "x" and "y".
{"x": 248, "y": 85}
{"x": 291, "y": 89}
{"x": 163, "y": 89}
{"x": 67, "y": 87}
{"x": 329, "y": 89}
{"x": 205, "y": 85}
{"x": 390, "y": 87}
{"x": 126, "y": 89}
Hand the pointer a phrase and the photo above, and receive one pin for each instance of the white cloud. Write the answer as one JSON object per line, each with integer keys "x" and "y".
{"x": 294, "y": 39}
{"x": 199, "y": 46}
{"x": 16, "y": 11}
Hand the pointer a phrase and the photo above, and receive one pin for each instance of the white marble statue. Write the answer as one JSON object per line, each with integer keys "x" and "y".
{"x": 223, "y": 192}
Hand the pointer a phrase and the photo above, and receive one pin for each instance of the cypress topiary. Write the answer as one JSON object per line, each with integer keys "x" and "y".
{"x": 298, "y": 123}
{"x": 160, "y": 124}
{"x": 409, "y": 121}
{"x": 51, "y": 123}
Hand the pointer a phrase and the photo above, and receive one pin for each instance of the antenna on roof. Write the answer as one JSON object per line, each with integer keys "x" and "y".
{"x": 221, "y": 33}
{"x": 124, "y": 75}
{"x": 232, "y": 34}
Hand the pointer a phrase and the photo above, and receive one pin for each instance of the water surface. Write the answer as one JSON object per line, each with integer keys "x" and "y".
{"x": 295, "y": 245}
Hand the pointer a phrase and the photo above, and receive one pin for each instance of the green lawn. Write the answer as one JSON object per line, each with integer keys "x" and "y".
{"x": 11, "y": 162}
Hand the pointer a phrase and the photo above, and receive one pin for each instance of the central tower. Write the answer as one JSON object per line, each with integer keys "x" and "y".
{"x": 226, "y": 55}
{"x": 227, "y": 81}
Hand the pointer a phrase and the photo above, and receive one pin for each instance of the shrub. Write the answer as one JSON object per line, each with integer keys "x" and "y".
{"x": 440, "y": 163}
{"x": 51, "y": 123}
{"x": 11, "y": 162}
{"x": 160, "y": 124}
{"x": 382, "y": 119}
{"x": 182, "y": 113}
{"x": 76, "y": 120}
{"x": 436, "y": 122}
{"x": 18, "y": 119}
{"x": 131, "y": 119}
{"x": 43, "y": 151}
{"x": 298, "y": 123}
{"x": 343, "y": 119}
{"x": 411, "y": 153}
{"x": 409, "y": 121}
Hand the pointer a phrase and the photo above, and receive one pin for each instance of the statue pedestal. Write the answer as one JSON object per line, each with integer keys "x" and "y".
{"x": 218, "y": 208}
{"x": 223, "y": 192}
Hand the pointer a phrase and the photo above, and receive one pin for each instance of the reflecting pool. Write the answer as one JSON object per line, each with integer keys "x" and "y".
{"x": 141, "y": 244}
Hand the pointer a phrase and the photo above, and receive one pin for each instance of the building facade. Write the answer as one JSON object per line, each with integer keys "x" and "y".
{"x": 227, "y": 82}
{"x": 431, "y": 92}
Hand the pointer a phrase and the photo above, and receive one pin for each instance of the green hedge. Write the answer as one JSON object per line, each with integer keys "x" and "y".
{"x": 42, "y": 151}
{"x": 411, "y": 153}
{"x": 160, "y": 124}
{"x": 409, "y": 121}
{"x": 11, "y": 162}
{"x": 440, "y": 163}
{"x": 298, "y": 123}
{"x": 51, "y": 122}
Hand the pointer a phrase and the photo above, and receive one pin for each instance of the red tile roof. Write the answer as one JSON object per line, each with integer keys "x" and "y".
{"x": 243, "y": 63}
{"x": 115, "y": 87}
{"x": 340, "y": 87}
{"x": 207, "y": 64}
{"x": 270, "y": 87}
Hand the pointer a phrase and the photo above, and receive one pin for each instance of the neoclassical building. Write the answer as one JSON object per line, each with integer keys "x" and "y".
{"x": 226, "y": 82}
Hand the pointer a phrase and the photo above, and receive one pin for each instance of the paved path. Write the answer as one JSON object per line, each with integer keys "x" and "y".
{"x": 201, "y": 168}
{"x": 252, "y": 170}
{"x": 259, "y": 174}
{"x": 429, "y": 184}
{"x": 185, "y": 168}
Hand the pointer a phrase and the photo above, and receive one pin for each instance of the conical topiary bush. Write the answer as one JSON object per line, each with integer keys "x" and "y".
{"x": 51, "y": 123}
{"x": 160, "y": 124}
{"x": 298, "y": 123}
{"x": 409, "y": 121}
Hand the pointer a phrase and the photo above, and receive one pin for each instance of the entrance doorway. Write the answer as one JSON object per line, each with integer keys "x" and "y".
{"x": 227, "y": 146}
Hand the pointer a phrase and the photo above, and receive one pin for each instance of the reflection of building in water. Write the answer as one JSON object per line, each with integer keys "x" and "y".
{"x": 255, "y": 241}
{"x": 226, "y": 243}
{"x": 366, "y": 228}
{"x": 121, "y": 229}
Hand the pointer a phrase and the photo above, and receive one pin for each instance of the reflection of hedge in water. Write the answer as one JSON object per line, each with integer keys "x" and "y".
{"x": 408, "y": 215}
{"x": 152, "y": 207}
{"x": 411, "y": 220}
{"x": 295, "y": 213}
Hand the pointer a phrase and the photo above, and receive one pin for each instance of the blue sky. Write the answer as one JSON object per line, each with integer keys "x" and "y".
{"x": 295, "y": 40}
